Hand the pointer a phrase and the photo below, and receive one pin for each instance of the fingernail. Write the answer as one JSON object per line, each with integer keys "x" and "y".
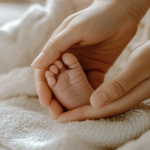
{"x": 38, "y": 60}
{"x": 100, "y": 99}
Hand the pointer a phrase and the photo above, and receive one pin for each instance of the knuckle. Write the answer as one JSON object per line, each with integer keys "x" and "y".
{"x": 75, "y": 24}
{"x": 140, "y": 56}
{"x": 118, "y": 89}
{"x": 50, "y": 43}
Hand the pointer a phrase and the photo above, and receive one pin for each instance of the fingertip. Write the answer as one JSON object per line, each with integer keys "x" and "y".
{"x": 39, "y": 60}
{"x": 98, "y": 99}
{"x": 55, "y": 109}
{"x": 92, "y": 100}
{"x": 63, "y": 118}
{"x": 60, "y": 120}
{"x": 55, "y": 46}
{"x": 46, "y": 57}
{"x": 44, "y": 93}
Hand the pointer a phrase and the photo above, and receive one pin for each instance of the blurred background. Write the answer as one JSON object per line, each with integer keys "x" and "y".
{"x": 13, "y": 9}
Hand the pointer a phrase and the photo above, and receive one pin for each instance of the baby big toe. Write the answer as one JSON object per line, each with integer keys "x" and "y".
{"x": 54, "y": 69}
{"x": 71, "y": 61}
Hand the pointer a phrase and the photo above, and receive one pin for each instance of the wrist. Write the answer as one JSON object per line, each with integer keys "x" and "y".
{"x": 136, "y": 8}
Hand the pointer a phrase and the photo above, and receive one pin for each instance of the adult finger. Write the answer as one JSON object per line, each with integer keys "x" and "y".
{"x": 41, "y": 84}
{"x": 44, "y": 92}
{"x": 64, "y": 24}
{"x": 55, "y": 109}
{"x": 132, "y": 74}
{"x": 56, "y": 45}
{"x": 131, "y": 99}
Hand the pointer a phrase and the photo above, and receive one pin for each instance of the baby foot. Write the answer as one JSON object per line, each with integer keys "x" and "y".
{"x": 69, "y": 83}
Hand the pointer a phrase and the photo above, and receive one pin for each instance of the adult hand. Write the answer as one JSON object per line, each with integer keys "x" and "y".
{"x": 135, "y": 78}
{"x": 96, "y": 36}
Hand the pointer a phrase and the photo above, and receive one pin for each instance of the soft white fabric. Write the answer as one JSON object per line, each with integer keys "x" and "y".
{"x": 143, "y": 143}
{"x": 22, "y": 40}
{"x": 24, "y": 124}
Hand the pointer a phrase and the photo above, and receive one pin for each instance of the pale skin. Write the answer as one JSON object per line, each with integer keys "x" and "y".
{"x": 69, "y": 83}
{"x": 100, "y": 35}
{"x": 137, "y": 68}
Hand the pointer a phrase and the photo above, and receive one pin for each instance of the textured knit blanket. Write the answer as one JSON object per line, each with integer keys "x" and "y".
{"x": 25, "y": 125}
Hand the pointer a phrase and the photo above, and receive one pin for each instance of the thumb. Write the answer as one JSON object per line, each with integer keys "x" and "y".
{"x": 55, "y": 46}
{"x": 119, "y": 85}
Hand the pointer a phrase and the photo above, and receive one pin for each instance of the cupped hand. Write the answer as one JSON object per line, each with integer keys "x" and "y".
{"x": 96, "y": 36}
{"x": 135, "y": 72}
{"x": 135, "y": 82}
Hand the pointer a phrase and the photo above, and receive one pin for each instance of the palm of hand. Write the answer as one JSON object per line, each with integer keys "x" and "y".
{"x": 98, "y": 45}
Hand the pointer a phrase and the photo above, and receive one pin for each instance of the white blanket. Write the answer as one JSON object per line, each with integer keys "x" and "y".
{"x": 24, "y": 124}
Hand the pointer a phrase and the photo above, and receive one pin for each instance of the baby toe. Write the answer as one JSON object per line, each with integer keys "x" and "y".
{"x": 54, "y": 69}
{"x": 71, "y": 61}
{"x": 58, "y": 64}
{"x": 51, "y": 81}
{"x": 49, "y": 74}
